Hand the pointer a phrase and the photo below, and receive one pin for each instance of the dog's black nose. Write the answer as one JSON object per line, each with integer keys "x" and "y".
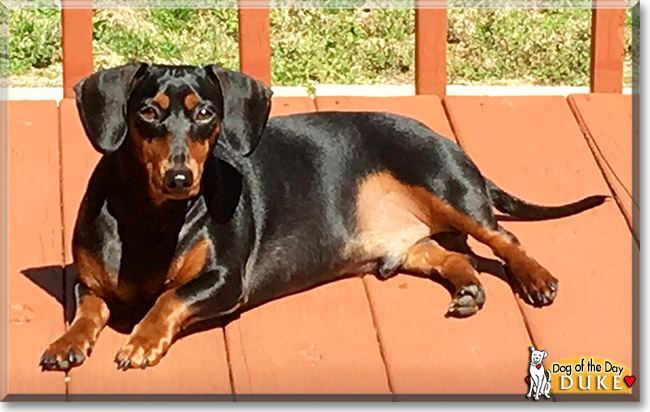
{"x": 178, "y": 180}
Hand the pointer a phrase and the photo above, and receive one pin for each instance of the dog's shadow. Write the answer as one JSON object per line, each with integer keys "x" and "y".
{"x": 54, "y": 280}
{"x": 59, "y": 282}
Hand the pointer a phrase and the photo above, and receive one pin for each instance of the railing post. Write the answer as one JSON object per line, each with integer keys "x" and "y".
{"x": 77, "y": 45}
{"x": 255, "y": 39}
{"x": 607, "y": 49}
{"x": 430, "y": 51}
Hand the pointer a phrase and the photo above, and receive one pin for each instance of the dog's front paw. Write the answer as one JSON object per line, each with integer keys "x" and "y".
{"x": 467, "y": 301}
{"x": 142, "y": 350}
{"x": 68, "y": 351}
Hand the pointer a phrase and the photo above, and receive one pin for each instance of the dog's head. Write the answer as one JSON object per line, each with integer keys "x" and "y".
{"x": 537, "y": 356}
{"x": 172, "y": 118}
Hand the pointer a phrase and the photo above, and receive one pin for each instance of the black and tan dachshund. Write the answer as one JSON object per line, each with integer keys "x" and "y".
{"x": 201, "y": 207}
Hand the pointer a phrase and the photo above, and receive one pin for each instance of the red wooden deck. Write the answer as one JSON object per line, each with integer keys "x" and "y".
{"x": 359, "y": 335}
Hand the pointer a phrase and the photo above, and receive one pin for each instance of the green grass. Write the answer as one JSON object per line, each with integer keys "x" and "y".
{"x": 342, "y": 46}
{"x": 34, "y": 39}
{"x": 528, "y": 46}
{"x": 310, "y": 46}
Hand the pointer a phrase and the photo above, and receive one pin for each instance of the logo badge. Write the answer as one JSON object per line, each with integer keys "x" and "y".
{"x": 539, "y": 378}
{"x": 577, "y": 375}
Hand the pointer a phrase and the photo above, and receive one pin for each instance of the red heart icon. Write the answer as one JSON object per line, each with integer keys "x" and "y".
{"x": 527, "y": 379}
{"x": 629, "y": 380}
{"x": 539, "y": 366}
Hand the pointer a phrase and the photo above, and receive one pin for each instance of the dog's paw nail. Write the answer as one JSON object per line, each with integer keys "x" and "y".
{"x": 123, "y": 364}
{"x": 64, "y": 364}
{"x": 473, "y": 294}
{"x": 145, "y": 363}
{"x": 530, "y": 299}
{"x": 75, "y": 358}
{"x": 480, "y": 297}
{"x": 126, "y": 364}
{"x": 89, "y": 351}
{"x": 47, "y": 359}
{"x": 462, "y": 307}
{"x": 466, "y": 300}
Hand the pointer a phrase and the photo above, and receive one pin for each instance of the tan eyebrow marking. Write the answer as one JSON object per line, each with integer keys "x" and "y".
{"x": 162, "y": 100}
{"x": 191, "y": 100}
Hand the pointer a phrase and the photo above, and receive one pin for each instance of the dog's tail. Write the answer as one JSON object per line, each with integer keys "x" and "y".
{"x": 549, "y": 375}
{"x": 520, "y": 210}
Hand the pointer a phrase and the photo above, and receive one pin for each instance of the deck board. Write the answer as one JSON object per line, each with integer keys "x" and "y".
{"x": 196, "y": 364}
{"x": 606, "y": 122}
{"x": 34, "y": 244}
{"x": 426, "y": 352}
{"x": 533, "y": 147}
{"x": 317, "y": 342}
{"x": 321, "y": 341}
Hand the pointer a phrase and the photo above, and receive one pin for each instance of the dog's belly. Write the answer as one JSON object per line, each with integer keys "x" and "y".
{"x": 282, "y": 270}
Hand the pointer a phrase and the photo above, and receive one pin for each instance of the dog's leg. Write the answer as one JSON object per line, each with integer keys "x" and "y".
{"x": 71, "y": 349}
{"x": 427, "y": 257}
{"x": 533, "y": 282}
{"x": 538, "y": 386}
{"x": 151, "y": 338}
{"x": 547, "y": 386}
{"x": 212, "y": 294}
{"x": 531, "y": 385}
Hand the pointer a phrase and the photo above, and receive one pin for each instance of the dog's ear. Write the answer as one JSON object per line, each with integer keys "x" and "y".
{"x": 102, "y": 101}
{"x": 544, "y": 354}
{"x": 532, "y": 349}
{"x": 246, "y": 107}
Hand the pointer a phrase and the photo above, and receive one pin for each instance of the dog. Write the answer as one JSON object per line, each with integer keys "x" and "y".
{"x": 538, "y": 380}
{"x": 201, "y": 208}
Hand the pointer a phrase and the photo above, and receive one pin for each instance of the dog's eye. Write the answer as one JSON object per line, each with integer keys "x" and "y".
{"x": 148, "y": 114}
{"x": 203, "y": 115}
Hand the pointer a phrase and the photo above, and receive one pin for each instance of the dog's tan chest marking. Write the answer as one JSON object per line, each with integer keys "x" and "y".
{"x": 189, "y": 265}
{"x": 94, "y": 274}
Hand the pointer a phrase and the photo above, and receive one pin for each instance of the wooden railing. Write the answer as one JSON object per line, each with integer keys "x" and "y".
{"x": 607, "y": 47}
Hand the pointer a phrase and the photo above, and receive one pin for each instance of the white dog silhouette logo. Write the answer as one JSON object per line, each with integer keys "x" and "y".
{"x": 537, "y": 378}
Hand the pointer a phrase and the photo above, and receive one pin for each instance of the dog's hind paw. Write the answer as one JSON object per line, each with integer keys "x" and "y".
{"x": 534, "y": 285}
{"x": 467, "y": 301}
